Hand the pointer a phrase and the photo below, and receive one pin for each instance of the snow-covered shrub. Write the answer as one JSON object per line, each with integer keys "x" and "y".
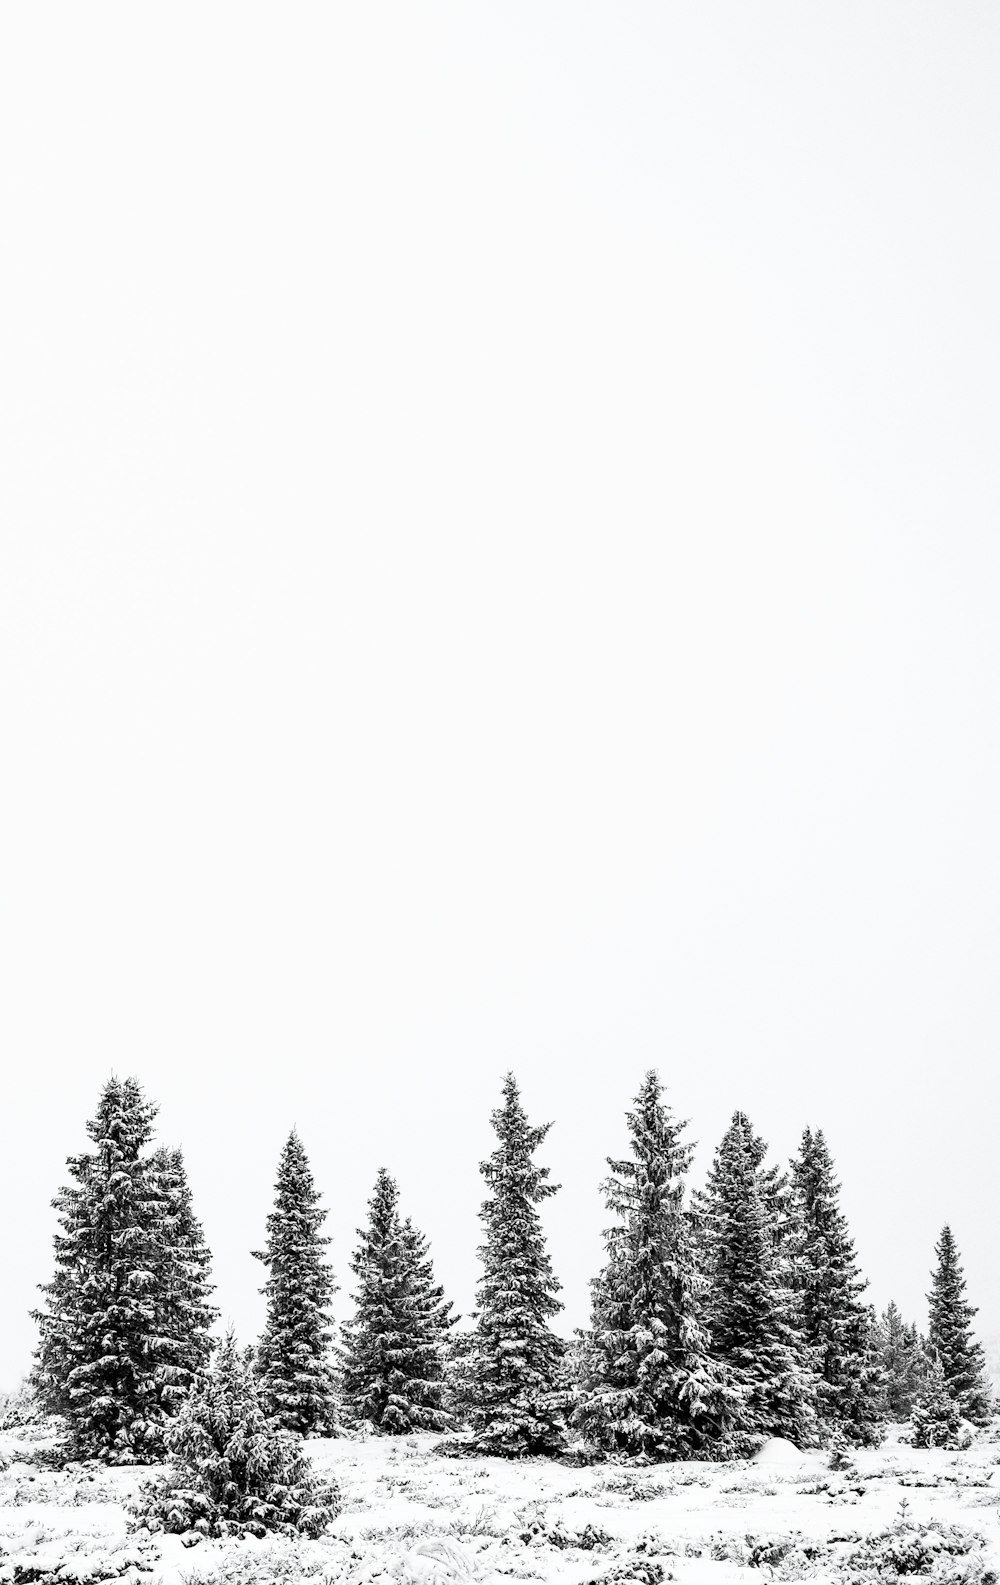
{"x": 584, "y": 1540}
{"x": 786, "y": 1557}
{"x": 84, "y": 1560}
{"x": 276, "y": 1561}
{"x": 232, "y": 1471}
{"x": 635, "y": 1486}
{"x": 943, "y": 1551}
{"x": 646, "y": 1571}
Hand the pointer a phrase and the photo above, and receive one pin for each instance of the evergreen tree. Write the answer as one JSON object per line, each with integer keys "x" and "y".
{"x": 936, "y": 1418}
{"x": 963, "y": 1364}
{"x": 751, "y": 1316}
{"x": 837, "y": 1325}
{"x": 513, "y": 1357}
{"x": 648, "y": 1383}
{"x": 393, "y": 1369}
{"x": 231, "y": 1470}
{"x": 905, "y": 1363}
{"x": 295, "y": 1372}
{"x": 185, "y": 1315}
{"x": 99, "y": 1356}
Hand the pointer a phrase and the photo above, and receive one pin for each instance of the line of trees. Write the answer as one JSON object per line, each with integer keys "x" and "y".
{"x": 718, "y": 1319}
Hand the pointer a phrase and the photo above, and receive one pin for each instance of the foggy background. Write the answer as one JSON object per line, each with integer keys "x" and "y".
{"x": 499, "y": 567}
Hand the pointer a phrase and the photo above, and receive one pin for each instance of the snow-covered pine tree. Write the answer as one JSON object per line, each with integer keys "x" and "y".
{"x": 232, "y": 1471}
{"x": 98, "y": 1356}
{"x": 751, "y": 1316}
{"x": 838, "y": 1327}
{"x": 905, "y": 1363}
{"x": 184, "y": 1283}
{"x": 648, "y": 1383}
{"x": 393, "y": 1345}
{"x": 950, "y": 1336}
{"x": 296, "y": 1376}
{"x": 512, "y": 1363}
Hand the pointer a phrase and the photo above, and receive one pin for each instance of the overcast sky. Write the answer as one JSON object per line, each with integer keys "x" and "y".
{"x": 500, "y": 567}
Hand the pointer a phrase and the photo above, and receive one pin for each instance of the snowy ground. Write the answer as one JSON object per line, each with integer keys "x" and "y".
{"x": 414, "y": 1517}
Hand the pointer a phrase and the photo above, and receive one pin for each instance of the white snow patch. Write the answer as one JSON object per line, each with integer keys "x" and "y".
{"x": 777, "y": 1450}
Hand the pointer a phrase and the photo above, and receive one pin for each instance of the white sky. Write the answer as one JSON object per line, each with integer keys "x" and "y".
{"x": 500, "y": 566}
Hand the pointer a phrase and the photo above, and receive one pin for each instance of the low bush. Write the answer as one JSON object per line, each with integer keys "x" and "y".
{"x": 231, "y": 1470}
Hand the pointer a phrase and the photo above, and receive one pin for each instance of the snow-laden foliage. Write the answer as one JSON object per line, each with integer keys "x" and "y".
{"x": 649, "y": 1384}
{"x": 296, "y": 1375}
{"x": 232, "y": 1471}
{"x": 936, "y": 1418}
{"x": 435, "y": 1310}
{"x": 85, "y": 1561}
{"x": 753, "y": 1320}
{"x": 904, "y": 1363}
{"x": 512, "y": 1363}
{"x": 184, "y": 1314}
{"x": 123, "y": 1331}
{"x": 838, "y": 1327}
{"x": 394, "y": 1345}
{"x": 950, "y": 1336}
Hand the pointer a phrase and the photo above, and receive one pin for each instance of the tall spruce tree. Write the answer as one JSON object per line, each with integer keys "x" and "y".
{"x": 393, "y": 1373}
{"x": 100, "y": 1357}
{"x": 961, "y": 1357}
{"x": 296, "y": 1376}
{"x": 649, "y": 1384}
{"x": 752, "y": 1319}
{"x": 512, "y": 1363}
{"x": 838, "y": 1327}
{"x": 185, "y": 1315}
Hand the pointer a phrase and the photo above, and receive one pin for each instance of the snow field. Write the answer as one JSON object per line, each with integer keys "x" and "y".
{"x": 413, "y": 1517}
